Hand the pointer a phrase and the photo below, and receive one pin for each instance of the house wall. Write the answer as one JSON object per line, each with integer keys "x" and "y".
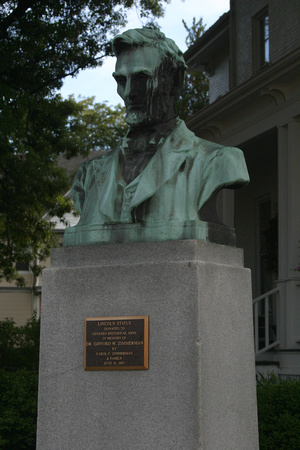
{"x": 261, "y": 115}
{"x": 243, "y": 37}
{"x": 219, "y": 81}
{"x": 17, "y": 305}
{"x": 15, "y": 302}
{"x": 284, "y": 32}
{"x": 284, "y": 28}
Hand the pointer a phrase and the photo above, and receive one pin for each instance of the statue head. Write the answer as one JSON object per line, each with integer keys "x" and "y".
{"x": 149, "y": 72}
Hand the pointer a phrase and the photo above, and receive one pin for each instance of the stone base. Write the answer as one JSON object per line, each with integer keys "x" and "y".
{"x": 199, "y": 391}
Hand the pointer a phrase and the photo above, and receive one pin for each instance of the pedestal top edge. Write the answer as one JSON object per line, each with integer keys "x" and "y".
{"x": 152, "y": 252}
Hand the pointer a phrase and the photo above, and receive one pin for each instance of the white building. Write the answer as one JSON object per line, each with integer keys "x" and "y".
{"x": 252, "y": 58}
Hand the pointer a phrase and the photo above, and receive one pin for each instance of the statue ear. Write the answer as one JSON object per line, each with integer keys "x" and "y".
{"x": 178, "y": 80}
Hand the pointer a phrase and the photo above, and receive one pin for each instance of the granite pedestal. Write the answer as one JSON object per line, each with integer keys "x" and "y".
{"x": 199, "y": 391}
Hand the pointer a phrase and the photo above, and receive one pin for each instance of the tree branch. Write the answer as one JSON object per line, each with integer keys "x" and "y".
{"x": 16, "y": 14}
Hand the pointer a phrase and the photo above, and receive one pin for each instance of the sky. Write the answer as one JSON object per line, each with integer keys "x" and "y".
{"x": 100, "y": 83}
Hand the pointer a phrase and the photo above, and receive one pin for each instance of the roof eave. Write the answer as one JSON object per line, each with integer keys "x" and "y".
{"x": 215, "y": 38}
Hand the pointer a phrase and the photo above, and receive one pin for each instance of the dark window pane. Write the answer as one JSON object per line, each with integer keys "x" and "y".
{"x": 22, "y": 266}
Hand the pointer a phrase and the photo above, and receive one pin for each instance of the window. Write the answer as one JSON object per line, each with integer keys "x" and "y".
{"x": 22, "y": 266}
{"x": 264, "y": 40}
{"x": 260, "y": 40}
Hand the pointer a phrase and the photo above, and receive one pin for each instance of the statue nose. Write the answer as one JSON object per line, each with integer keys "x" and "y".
{"x": 128, "y": 88}
{"x": 130, "y": 91}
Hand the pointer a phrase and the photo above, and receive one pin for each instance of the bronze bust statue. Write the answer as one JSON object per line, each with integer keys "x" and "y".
{"x": 160, "y": 182}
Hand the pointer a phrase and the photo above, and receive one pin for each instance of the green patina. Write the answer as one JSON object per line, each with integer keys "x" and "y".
{"x": 160, "y": 182}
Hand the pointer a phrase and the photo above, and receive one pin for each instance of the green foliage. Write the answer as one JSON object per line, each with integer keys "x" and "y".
{"x": 97, "y": 126}
{"x": 18, "y": 405}
{"x": 33, "y": 134}
{"x": 42, "y": 42}
{"x": 194, "y": 31}
{"x": 278, "y": 413}
{"x": 32, "y": 183}
{"x": 19, "y": 346}
{"x": 19, "y": 359}
{"x": 194, "y": 95}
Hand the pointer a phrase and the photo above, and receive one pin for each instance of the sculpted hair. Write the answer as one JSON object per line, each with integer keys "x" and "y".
{"x": 147, "y": 37}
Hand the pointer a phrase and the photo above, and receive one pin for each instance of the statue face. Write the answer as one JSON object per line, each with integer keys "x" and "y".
{"x": 145, "y": 90}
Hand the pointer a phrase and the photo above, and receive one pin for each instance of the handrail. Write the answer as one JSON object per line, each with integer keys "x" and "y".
{"x": 266, "y": 325}
{"x": 261, "y": 297}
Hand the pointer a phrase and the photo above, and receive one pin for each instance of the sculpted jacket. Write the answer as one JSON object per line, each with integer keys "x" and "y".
{"x": 180, "y": 179}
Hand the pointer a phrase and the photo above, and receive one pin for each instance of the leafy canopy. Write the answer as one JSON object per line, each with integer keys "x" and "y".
{"x": 97, "y": 126}
{"x": 42, "y": 42}
{"x": 194, "y": 95}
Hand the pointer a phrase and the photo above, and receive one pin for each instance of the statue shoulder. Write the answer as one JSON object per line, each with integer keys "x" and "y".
{"x": 183, "y": 138}
{"x": 230, "y": 165}
{"x": 234, "y": 163}
{"x": 209, "y": 147}
{"x": 96, "y": 157}
{"x": 195, "y": 143}
{"x": 96, "y": 161}
{"x": 219, "y": 163}
{"x": 212, "y": 150}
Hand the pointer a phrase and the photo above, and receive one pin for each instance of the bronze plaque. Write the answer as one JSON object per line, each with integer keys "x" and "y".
{"x": 116, "y": 343}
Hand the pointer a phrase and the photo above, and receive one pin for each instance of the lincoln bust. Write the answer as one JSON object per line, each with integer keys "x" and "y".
{"x": 161, "y": 181}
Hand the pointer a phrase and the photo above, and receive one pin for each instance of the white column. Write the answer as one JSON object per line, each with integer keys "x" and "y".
{"x": 289, "y": 232}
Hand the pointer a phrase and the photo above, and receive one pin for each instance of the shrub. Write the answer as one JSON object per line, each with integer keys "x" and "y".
{"x": 278, "y": 404}
{"x": 18, "y": 405}
{"x": 19, "y": 346}
{"x": 19, "y": 359}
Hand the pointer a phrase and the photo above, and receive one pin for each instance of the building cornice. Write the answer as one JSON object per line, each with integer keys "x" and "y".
{"x": 272, "y": 81}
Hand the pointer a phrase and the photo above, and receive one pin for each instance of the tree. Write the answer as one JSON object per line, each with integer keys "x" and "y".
{"x": 97, "y": 126}
{"x": 19, "y": 363}
{"x": 194, "y": 95}
{"x": 19, "y": 345}
{"x": 41, "y": 42}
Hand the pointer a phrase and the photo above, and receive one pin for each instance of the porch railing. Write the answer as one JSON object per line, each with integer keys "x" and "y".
{"x": 266, "y": 314}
